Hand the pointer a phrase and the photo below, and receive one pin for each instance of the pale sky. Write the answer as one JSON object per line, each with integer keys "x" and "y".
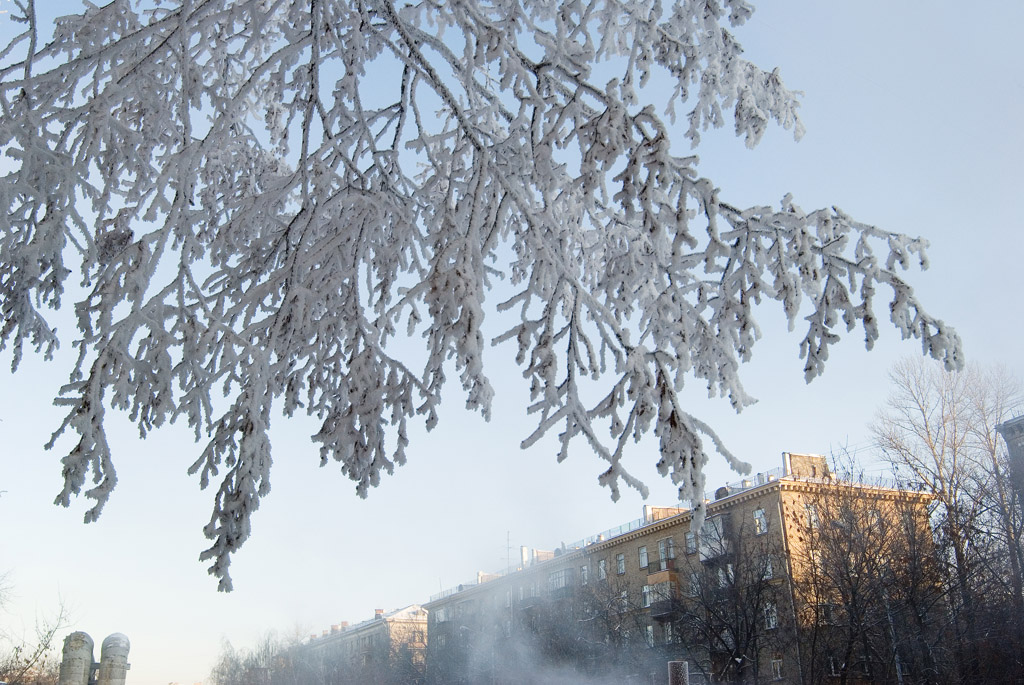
{"x": 913, "y": 113}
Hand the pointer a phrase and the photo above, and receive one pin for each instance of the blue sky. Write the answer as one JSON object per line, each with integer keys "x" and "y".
{"x": 913, "y": 115}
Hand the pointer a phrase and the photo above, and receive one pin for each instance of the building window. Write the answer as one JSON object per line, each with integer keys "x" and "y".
{"x": 602, "y": 570}
{"x": 760, "y": 522}
{"x": 666, "y": 549}
{"x": 691, "y": 543}
{"x": 725, "y": 575}
{"x": 817, "y": 560}
{"x": 642, "y": 553}
{"x": 771, "y": 616}
{"x": 712, "y": 542}
{"x": 833, "y": 666}
{"x": 694, "y": 587}
{"x": 649, "y": 635}
{"x": 826, "y": 614}
{"x": 874, "y": 518}
{"x": 584, "y": 574}
{"x": 624, "y": 601}
{"x": 768, "y": 570}
{"x": 812, "y": 515}
{"x": 645, "y": 596}
{"x": 559, "y": 579}
{"x": 777, "y": 667}
{"x": 620, "y": 563}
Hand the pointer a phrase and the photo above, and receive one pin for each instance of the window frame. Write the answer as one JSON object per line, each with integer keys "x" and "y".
{"x": 768, "y": 570}
{"x": 813, "y": 521}
{"x": 771, "y": 616}
{"x": 760, "y": 521}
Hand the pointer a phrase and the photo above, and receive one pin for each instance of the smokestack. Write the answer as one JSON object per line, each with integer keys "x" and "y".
{"x": 114, "y": 660}
{"x": 76, "y": 659}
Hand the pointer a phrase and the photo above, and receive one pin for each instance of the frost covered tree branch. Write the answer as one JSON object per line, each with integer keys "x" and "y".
{"x": 263, "y": 197}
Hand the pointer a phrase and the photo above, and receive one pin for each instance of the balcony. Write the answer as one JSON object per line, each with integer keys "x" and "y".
{"x": 530, "y": 602}
{"x": 657, "y": 565}
{"x": 564, "y": 592}
{"x": 442, "y": 629}
{"x": 664, "y": 609}
{"x": 661, "y": 571}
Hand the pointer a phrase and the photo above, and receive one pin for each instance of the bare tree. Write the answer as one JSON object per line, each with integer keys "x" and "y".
{"x": 870, "y": 597}
{"x": 271, "y": 661}
{"x": 612, "y": 630}
{"x": 938, "y": 431}
{"x": 731, "y": 602}
{"x": 31, "y": 660}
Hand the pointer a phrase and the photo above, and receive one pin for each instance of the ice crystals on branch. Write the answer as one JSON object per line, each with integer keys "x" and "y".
{"x": 261, "y": 196}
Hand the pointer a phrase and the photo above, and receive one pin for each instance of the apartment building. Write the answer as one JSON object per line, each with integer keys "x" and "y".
{"x": 753, "y": 596}
{"x": 389, "y": 648}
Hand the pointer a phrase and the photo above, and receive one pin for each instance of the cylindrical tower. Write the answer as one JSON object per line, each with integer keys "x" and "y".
{"x": 113, "y": 660}
{"x": 76, "y": 660}
{"x": 1013, "y": 433}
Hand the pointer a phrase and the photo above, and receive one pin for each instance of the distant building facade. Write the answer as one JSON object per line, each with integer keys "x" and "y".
{"x": 750, "y": 597}
{"x": 389, "y": 648}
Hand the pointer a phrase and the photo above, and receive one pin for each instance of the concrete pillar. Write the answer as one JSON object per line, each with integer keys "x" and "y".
{"x": 113, "y": 660}
{"x": 76, "y": 660}
{"x": 678, "y": 673}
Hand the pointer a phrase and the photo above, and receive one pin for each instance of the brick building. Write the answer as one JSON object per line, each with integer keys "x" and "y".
{"x": 754, "y": 596}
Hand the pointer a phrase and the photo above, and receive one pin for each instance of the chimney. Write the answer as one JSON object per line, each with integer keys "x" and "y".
{"x": 378, "y": 613}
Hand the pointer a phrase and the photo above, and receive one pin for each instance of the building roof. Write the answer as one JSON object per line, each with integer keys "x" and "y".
{"x": 341, "y": 631}
{"x": 657, "y": 518}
